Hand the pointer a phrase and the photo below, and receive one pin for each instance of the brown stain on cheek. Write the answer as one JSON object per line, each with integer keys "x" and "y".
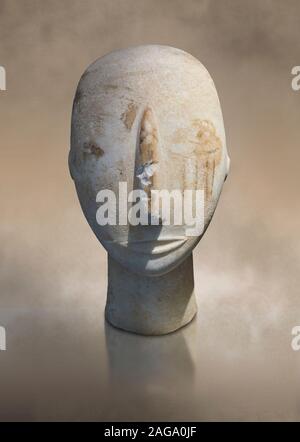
{"x": 205, "y": 155}
{"x": 129, "y": 115}
{"x": 208, "y": 151}
{"x": 91, "y": 148}
{"x": 207, "y": 144}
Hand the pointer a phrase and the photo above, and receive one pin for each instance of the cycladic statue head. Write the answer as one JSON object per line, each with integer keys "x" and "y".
{"x": 148, "y": 157}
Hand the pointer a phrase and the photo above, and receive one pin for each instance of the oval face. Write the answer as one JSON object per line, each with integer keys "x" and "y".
{"x": 148, "y": 154}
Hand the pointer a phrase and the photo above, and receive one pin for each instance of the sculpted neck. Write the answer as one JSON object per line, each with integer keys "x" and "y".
{"x": 150, "y": 305}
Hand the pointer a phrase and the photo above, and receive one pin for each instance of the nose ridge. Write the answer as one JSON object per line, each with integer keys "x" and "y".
{"x": 147, "y": 166}
{"x": 148, "y": 137}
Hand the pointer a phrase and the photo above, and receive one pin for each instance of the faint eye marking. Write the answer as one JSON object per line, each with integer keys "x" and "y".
{"x": 129, "y": 115}
{"x": 201, "y": 152}
{"x": 93, "y": 149}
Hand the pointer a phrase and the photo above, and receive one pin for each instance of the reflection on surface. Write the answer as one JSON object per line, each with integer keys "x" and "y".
{"x": 146, "y": 370}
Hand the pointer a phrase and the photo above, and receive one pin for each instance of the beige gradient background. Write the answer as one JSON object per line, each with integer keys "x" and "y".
{"x": 235, "y": 361}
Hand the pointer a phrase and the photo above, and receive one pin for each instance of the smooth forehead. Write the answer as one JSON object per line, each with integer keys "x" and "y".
{"x": 115, "y": 88}
{"x": 150, "y": 73}
{"x": 148, "y": 60}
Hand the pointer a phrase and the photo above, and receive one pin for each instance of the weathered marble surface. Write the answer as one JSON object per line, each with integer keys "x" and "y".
{"x": 149, "y": 116}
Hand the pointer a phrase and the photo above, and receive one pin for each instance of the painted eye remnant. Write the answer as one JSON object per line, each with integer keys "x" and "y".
{"x": 197, "y": 149}
{"x": 197, "y": 161}
{"x": 129, "y": 115}
{"x": 92, "y": 149}
{"x": 200, "y": 150}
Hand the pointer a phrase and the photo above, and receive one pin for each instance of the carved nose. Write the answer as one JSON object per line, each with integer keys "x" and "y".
{"x": 148, "y": 145}
{"x": 147, "y": 166}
